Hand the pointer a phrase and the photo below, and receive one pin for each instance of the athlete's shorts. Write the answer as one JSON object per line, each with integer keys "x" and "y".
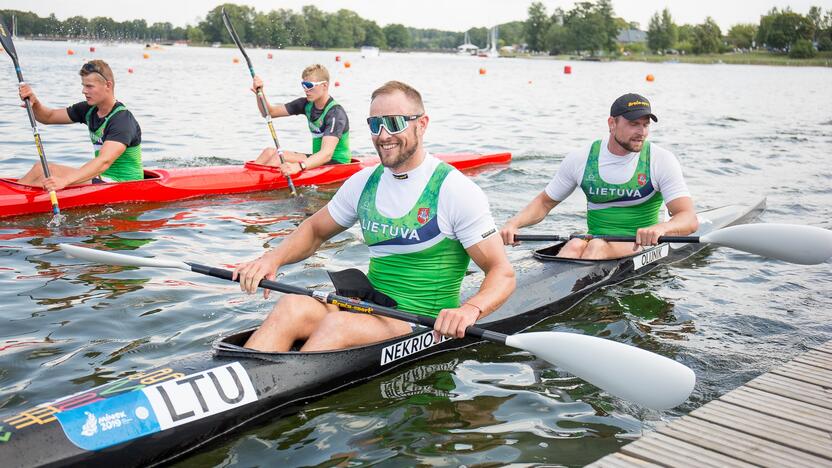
{"x": 101, "y": 180}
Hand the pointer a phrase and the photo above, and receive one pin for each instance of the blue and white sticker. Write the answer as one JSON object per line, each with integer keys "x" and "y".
{"x": 158, "y": 407}
{"x": 109, "y": 422}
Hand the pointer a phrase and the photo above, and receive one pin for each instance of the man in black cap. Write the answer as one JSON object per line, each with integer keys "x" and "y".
{"x": 627, "y": 181}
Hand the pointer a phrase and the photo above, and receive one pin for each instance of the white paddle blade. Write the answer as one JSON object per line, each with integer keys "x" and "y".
{"x": 112, "y": 258}
{"x": 625, "y": 371}
{"x": 806, "y": 245}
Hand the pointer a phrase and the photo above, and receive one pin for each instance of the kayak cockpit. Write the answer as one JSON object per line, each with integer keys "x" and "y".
{"x": 232, "y": 346}
{"x": 549, "y": 254}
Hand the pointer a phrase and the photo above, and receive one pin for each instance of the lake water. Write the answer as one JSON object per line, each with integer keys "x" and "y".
{"x": 740, "y": 132}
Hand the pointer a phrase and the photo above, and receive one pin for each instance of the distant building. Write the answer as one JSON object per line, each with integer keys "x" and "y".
{"x": 632, "y": 36}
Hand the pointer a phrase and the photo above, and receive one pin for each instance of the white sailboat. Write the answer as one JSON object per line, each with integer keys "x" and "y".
{"x": 490, "y": 50}
{"x": 467, "y": 48}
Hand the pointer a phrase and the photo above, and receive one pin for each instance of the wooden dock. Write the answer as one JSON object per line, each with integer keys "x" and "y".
{"x": 781, "y": 418}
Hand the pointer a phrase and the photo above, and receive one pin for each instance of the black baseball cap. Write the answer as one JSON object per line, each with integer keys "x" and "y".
{"x": 632, "y": 106}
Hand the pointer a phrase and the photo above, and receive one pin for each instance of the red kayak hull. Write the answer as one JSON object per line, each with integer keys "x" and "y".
{"x": 163, "y": 185}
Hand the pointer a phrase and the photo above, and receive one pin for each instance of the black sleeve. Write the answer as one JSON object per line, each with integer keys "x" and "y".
{"x": 336, "y": 122}
{"x": 78, "y": 111}
{"x": 296, "y": 107}
{"x": 124, "y": 129}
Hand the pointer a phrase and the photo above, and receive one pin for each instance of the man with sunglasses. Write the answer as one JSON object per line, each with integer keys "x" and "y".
{"x": 114, "y": 132}
{"x": 423, "y": 222}
{"x": 327, "y": 122}
{"x": 627, "y": 181}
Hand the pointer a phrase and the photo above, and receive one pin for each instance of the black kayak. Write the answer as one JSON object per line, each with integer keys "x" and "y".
{"x": 160, "y": 415}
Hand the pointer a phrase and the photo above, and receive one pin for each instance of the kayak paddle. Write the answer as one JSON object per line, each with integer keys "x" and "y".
{"x": 8, "y": 44}
{"x": 625, "y": 371}
{"x": 260, "y": 96}
{"x": 806, "y": 245}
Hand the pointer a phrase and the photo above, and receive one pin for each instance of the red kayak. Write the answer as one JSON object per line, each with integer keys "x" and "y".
{"x": 162, "y": 185}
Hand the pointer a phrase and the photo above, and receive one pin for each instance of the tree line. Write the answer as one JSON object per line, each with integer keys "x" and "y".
{"x": 310, "y": 27}
{"x": 592, "y": 27}
{"x": 782, "y": 31}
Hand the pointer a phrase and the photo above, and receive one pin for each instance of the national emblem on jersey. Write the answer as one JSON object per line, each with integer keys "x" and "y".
{"x": 423, "y": 215}
{"x": 642, "y": 179}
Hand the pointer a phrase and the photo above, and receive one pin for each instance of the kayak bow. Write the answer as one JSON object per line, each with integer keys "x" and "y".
{"x": 164, "y": 185}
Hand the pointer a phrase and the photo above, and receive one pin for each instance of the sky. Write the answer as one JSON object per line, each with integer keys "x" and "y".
{"x": 456, "y": 15}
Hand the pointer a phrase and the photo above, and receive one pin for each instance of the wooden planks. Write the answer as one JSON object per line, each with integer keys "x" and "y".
{"x": 782, "y": 418}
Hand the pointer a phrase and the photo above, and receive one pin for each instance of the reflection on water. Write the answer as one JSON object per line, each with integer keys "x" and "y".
{"x": 67, "y": 326}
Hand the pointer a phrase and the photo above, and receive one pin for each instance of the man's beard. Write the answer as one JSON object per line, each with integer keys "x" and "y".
{"x": 628, "y": 146}
{"x": 395, "y": 161}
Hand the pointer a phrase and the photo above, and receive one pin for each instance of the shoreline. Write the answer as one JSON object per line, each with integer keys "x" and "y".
{"x": 823, "y": 59}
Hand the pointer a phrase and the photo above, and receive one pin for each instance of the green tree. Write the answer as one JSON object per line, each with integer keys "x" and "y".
{"x": 298, "y": 30}
{"x": 662, "y": 33}
{"x": 781, "y": 29}
{"x": 557, "y": 37}
{"x": 742, "y": 36}
{"x": 802, "y": 48}
{"x": 397, "y": 36}
{"x": 76, "y": 26}
{"x": 512, "y": 33}
{"x": 707, "y": 37}
{"x": 591, "y": 27}
{"x": 374, "y": 35}
{"x": 317, "y": 24}
{"x": 536, "y": 27}
{"x": 242, "y": 18}
{"x": 195, "y": 35}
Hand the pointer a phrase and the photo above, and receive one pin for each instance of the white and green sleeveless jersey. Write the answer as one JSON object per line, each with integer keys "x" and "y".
{"x": 417, "y": 227}
{"x": 623, "y": 193}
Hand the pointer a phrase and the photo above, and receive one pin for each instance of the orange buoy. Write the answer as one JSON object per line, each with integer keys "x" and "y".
{"x": 147, "y": 56}
{"x": 337, "y": 58}
{"x": 650, "y": 77}
{"x": 482, "y": 71}
{"x": 92, "y": 48}
{"x": 235, "y": 60}
{"x": 337, "y": 84}
{"x": 347, "y": 64}
{"x": 70, "y": 52}
{"x": 567, "y": 69}
{"x": 130, "y": 70}
{"x": 269, "y": 56}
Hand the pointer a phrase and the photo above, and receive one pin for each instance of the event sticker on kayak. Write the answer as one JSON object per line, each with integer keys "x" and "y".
{"x": 158, "y": 407}
{"x": 409, "y": 346}
{"x": 650, "y": 256}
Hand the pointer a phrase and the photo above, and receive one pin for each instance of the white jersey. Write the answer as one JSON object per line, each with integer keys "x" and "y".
{"x": 665, "y": 171}
{"x": 463, "y": 210}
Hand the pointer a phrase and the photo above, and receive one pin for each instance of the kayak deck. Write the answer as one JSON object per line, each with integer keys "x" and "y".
{"x": 165, "y": 185}
{"x": 156, "y": 416}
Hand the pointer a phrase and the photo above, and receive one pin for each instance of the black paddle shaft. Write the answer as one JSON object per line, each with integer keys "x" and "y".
{"x": 348, "y": 303}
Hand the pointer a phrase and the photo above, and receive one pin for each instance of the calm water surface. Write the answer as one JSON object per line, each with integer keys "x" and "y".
{"x": 741, "y": 132}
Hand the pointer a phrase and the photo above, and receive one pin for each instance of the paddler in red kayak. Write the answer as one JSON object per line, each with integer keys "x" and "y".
{"x": 423, "y": 222}
{"x": 627, "y": 181}
{"x": 327, "y": 120}
{"x": 115, "y": 135}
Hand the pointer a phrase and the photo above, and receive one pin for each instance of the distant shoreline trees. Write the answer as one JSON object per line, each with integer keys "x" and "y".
{"x": 310, "y": 27}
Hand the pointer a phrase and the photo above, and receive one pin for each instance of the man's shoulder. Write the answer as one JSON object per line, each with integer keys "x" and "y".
{"x": 660, "y": 153}
{"x": 77, "y": 112}
{"x": 124, "y": 117}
